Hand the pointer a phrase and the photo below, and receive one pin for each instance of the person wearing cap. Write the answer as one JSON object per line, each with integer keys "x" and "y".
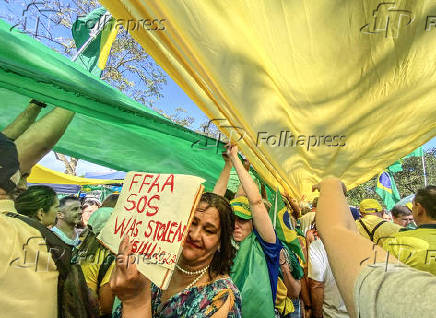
{"x": 28, "y": 285}
{"x": 257, "y": 260}
{"x": 371, "y": 224}
{"x": 88, "y": 208}
{"x": 417, "y": 248}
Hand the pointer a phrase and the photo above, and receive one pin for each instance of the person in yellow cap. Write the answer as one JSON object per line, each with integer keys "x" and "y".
{"x": 371, "y": 224}
{"x": 255, "y": 268}
{"x": 417, "y": 248}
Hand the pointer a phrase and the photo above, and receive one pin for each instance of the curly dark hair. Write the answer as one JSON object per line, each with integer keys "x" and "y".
{"x": 222, "y": 261}
{"x": 34, "y": 198}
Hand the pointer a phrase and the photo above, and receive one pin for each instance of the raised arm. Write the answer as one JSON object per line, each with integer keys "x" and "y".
{"x": 23, "y": 120}
{"x": 223, "y": 180}
{"x": 261, "y": 221}
{"x": 293, "y": 285}
{"x": 41, "y": 136}
{"x": 241, "y": 191}
{"x": 345, "y": 247}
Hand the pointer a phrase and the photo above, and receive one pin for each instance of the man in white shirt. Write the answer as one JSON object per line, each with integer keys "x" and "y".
{"x": 326, "y": 299}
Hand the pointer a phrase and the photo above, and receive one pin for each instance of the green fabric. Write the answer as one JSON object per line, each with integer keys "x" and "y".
{"x": 109, "y": 128}
{"x": 397, "y": 166}
{"x": 410, "y": 226}
{"x": 250, "y": 274}
{"x": 98, "y": 219}
{"x": 80, "y": 31}
{"x": 417, "y": 153}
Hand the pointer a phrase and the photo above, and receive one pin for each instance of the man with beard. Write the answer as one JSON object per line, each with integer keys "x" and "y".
{"x": 68, "y": 217}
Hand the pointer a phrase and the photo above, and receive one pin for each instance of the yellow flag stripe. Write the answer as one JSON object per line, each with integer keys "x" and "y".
{"x": 107, "y": 39}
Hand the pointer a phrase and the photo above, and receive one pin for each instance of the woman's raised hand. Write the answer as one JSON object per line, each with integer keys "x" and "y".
{"x": 126, "y": 282}
{"x": 232, "y": 150}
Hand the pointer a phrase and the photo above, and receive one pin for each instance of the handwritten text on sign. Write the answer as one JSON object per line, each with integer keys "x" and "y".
{"x": 141, "y": 220}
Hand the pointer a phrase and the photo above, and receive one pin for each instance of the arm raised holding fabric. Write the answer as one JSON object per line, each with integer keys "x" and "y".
{"x": 23, "y": 120}
{"x": 261, "y": 221}
{"x": 41, "y": 137}
{"x": 223, "y": 180}
{"x": 345, "y": 247}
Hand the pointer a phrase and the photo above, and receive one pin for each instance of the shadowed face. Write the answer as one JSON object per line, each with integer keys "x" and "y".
{"x": 203, "y": 236}
{"x": 243, "y": 228}
{"x": 403, "y": 220}
{"x": 48, "y": 218}
{"x": 87, "y": 211}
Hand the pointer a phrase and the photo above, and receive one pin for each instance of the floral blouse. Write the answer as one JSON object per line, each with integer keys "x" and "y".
{"x": 199, "y": 302}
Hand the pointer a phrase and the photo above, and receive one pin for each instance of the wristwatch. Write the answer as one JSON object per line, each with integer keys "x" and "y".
{"x": 37, "y": 102}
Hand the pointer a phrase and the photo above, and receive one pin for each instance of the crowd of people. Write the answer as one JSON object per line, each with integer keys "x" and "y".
{"x": 354, "y": 262}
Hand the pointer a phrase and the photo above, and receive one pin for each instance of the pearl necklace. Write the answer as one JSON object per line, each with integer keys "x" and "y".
{"x": 200, "y": 272}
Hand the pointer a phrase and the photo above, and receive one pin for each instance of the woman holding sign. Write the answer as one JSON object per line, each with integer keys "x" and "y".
{"x": 200, "y": 286}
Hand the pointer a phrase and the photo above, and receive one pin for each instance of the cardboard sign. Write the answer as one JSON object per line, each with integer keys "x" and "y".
{"x": 155, "y": 210}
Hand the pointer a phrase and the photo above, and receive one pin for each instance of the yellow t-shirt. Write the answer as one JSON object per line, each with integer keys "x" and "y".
{"x": 416, "y": 248}
{"x": 91, "y": 269}
{"x": 382, "y": 232}
{"x": 28, "y": 274}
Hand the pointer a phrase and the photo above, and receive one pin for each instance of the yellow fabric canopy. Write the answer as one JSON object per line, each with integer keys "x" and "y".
{"x": 362, "y": 71}
{"x": 40, "y": 174}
